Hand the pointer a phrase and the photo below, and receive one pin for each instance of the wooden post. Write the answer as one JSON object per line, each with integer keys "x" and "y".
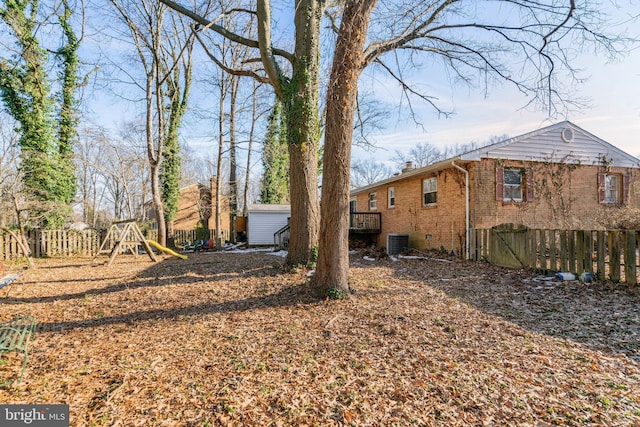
{"x": 533, "y": 248}
{"x": 587, "y": 255}
{"x": 564, "y": 252}
{"x": 630, "y": 273}
{"x": 543, "y": 249}
{"x": 614, "y": 256}
{"x": 485, "y": 244}
{"x": 472, "y": 244}
{"x": 580, "y": 244}
{"x": 601, "y": 251}
{"x": 553, "y": 251}
{"x": 571, "y": 236}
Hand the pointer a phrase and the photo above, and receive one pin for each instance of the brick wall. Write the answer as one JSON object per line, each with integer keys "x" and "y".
{"x": 429, "y": 227}
{"x": 564, "y": 196}
{"x": 225, "y": 209}
{"x": 194, "y": 208}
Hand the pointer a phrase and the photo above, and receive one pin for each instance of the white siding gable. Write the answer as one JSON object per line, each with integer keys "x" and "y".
{"x": 547, "y": 144}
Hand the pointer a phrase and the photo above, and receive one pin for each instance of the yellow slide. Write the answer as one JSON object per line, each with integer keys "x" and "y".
{"x": 159, "y": 247}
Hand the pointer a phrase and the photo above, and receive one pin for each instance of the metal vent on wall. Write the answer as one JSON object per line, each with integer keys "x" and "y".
{"x": 397, "y": 243}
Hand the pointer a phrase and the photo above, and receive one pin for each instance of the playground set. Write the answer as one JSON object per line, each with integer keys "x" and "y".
{"x": 125, "y": 236}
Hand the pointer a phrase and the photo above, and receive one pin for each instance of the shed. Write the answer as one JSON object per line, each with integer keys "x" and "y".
{"x": 264, "y": 220}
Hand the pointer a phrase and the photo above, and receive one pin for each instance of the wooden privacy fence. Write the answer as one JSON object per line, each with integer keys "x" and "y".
{"x": 609, "y": 254}
{"x": 180, "y": 237}
{"x": 44, "y": 243}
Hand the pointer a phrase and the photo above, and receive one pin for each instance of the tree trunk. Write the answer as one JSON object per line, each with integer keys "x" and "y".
{"x": 157, "y": 202}
{"x": 332, "y": 271}
{"x": 221, "y": 100}
{"x": 254, "y": 118}
{"x": 301, "y": 101}
{"x": 155, "y": 157}
{"x": 233, "y": 162}
{"x": 22, "y": 240}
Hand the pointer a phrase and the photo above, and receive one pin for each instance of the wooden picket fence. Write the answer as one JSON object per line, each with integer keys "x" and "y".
{"x": 608, "y": 254}
{"x": 86, "y": 243}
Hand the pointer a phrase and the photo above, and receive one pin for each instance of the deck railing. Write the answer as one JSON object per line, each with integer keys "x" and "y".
{"x": 365, "y": 222}
{"x": 281, "y": 238}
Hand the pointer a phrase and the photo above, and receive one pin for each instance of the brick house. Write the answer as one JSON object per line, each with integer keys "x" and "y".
{"x": 560, "y": 176}
{"x": 196, "y": 208}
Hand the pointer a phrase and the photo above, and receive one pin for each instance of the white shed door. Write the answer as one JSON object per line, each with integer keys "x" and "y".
{"x": 262, "y": 225}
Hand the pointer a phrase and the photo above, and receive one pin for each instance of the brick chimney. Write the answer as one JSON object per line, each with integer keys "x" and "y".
{"x": 408, "y": 167}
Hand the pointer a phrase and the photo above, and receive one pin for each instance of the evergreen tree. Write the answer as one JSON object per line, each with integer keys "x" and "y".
{"x": 275, "y": 159}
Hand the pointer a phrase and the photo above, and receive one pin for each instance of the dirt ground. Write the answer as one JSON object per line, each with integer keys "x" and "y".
{"x": 234, "y": 339}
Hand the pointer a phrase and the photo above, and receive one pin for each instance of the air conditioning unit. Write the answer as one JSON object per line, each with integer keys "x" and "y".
{"x": 397, "y": 243}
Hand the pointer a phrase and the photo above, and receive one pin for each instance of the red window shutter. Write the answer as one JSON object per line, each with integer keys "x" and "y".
{"x": 600, "y": 187}
{"x": 625, "y": 189}
{"x": 528, "y": 182}
{"x": 499, "y": 184}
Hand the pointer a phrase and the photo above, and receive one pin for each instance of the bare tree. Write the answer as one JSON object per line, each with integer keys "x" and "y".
{"x": 154, "y": 41}
{"x": 422, "y": 154}
{"x": 528, "y": 44}
{"x": 15, "y": 202}
{"x": 365, "y": 172}
{"x": 91, "y": 172}
{"x": 113, "y": 173}
{"x": 294, "y": 77}
{"x": 252, "y": 132}
{"x": 224, "y": 90}
{"x": 332, "y": 271}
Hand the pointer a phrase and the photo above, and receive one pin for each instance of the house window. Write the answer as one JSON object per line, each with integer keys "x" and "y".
{"x": 612, "y": 189}
{"x": 429, "y": 191}
{"x": 372, "y": 202}
{"x": 352, "y": 205}
{"x": 391, "y": 197}
{"x": 513, "y": 185}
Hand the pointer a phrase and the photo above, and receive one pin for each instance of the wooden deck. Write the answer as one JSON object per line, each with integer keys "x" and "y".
{"x": 365, "y": 223}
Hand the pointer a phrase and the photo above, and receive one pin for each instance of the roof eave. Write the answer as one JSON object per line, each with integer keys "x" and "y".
{"x": 434, "y": 167}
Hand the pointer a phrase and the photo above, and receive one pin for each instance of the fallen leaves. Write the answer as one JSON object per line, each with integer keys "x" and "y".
{"x": 233, "y": 339}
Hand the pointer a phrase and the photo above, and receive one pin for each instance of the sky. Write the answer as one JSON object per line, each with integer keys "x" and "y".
{"x": 612, "y": 90}
{"x": 613, "y": 112}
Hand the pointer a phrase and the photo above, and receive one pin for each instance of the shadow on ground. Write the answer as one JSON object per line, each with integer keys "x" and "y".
{"x": 189, "y": 286}
{"x": 602, "y": 316}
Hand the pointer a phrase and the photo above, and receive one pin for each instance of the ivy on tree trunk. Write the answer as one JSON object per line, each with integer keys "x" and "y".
{"x": 46, "y": 142}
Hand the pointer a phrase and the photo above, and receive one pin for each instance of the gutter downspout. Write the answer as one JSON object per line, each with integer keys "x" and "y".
{"x": 466, "y": 190}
